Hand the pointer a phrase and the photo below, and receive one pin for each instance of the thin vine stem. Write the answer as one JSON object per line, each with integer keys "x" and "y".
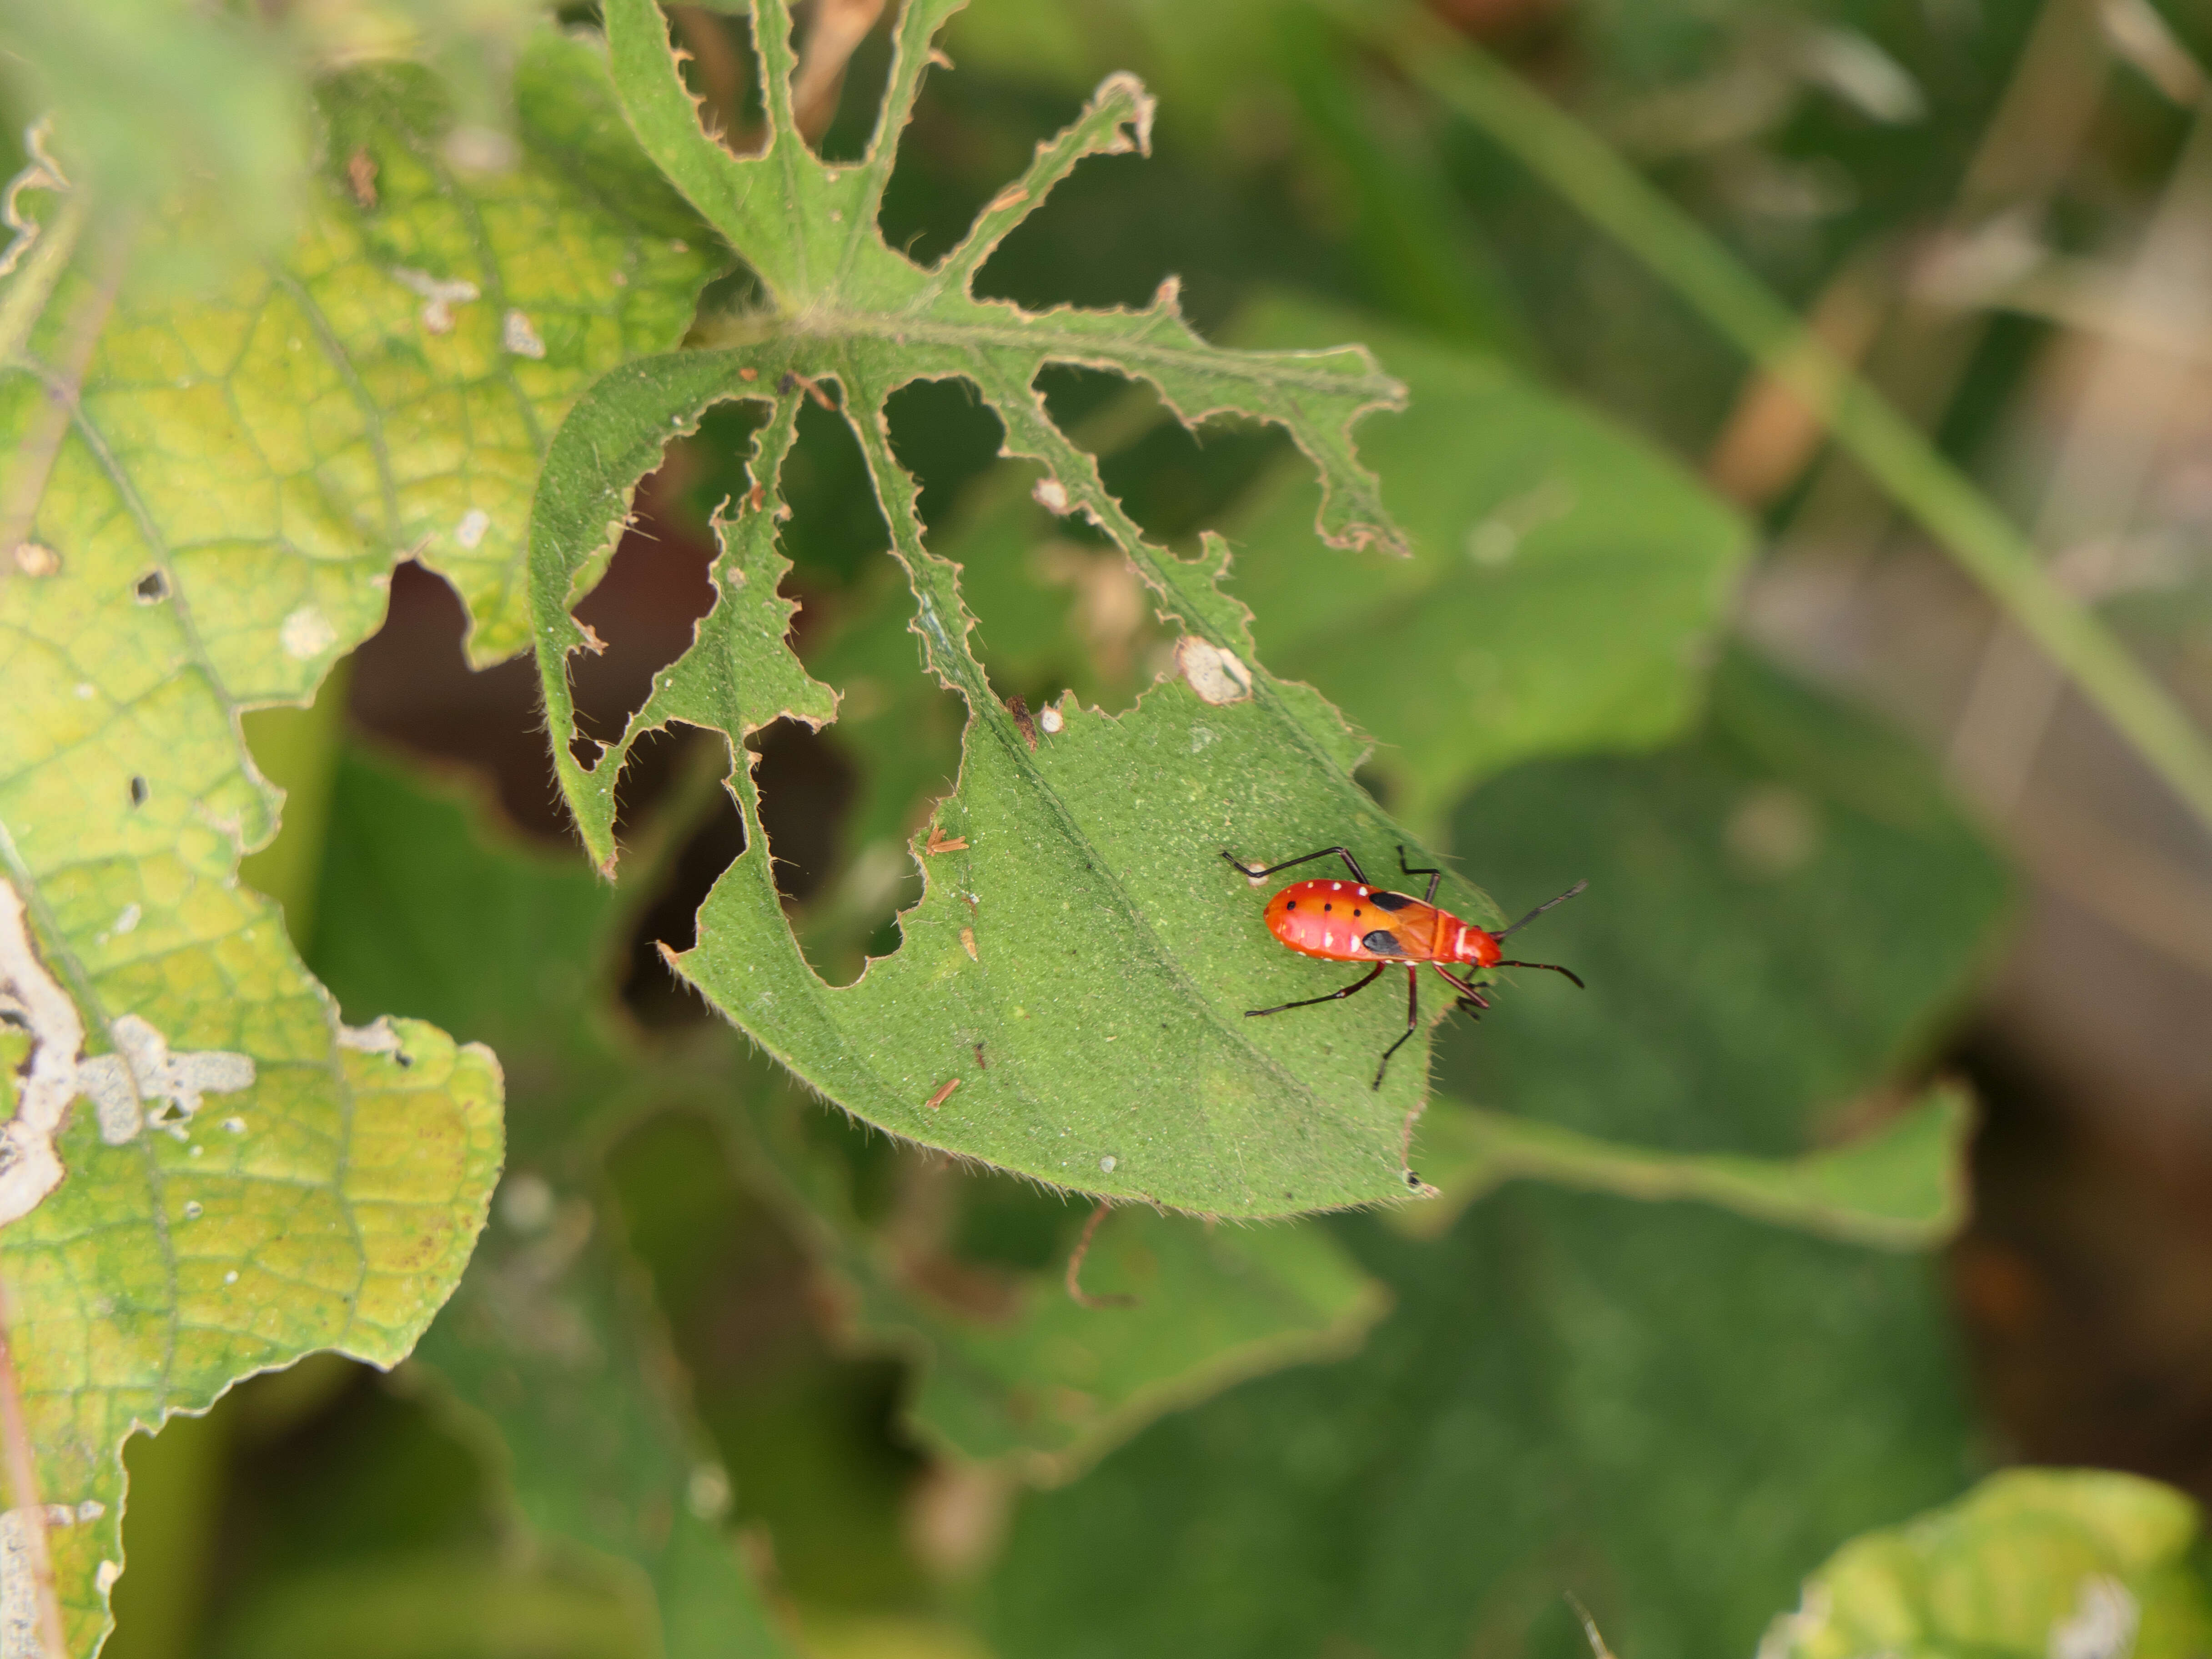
{"x": 1586, "y": 172}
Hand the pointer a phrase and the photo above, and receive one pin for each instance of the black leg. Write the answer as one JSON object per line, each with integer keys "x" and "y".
{"x": 1552, "y": 967}
{"x": 1343, "y": 853}
{"x": 1466, "y": 992}
{"x": 1334, "y": 996}
{"x": 1434, "y": 876}
{"x": 1539, "y": 911}
{"x": 1412, "y": 1021}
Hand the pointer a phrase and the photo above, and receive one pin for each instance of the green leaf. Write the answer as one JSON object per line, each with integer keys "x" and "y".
{"x": 2032, "y": 1562}
{"x": 1903, "y": 1185}
{"x": 1114, "y": 955}
{"x": 1011, "y": 1365}
{"x": 206, "y": 483}
{"x": 550, "y": 1353}
{"x": 1669, "y": 1411}
{"x": 1063, "y": 1382}
{"x": 1566, "y": 590}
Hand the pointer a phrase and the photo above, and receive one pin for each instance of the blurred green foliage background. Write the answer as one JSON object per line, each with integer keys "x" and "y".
{"x": 732, "y": 1376}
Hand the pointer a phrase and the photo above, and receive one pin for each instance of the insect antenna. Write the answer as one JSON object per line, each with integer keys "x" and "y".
{"x": 1553, "y": 966}
{"x": 1503, "y": 931}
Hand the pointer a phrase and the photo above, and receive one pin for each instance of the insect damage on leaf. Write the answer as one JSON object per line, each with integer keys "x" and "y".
{"x": 1118, "y": 963}
{"x": 141, "y": 1070}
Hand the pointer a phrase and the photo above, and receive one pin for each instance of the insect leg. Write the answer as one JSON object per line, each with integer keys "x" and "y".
{"x": 1343, "y": 853}
{"x": 1334, "y": 996}
{"x": 1434, "y": 876}
{"x": 1551, "y": 966}
{"x": 1468, "y": 992}
{"x": 1412, "y": 1021}
{"x": 1539, "y": 911}
{"x": 1471, "y": 1001}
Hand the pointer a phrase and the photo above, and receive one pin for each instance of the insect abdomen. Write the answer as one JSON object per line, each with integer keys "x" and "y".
{"x": 1343, "y": 921}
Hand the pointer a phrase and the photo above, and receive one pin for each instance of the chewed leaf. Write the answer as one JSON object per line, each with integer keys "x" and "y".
{"x": 1071, "y": 999}
{"x": 1114, "y": 954}
{"x": 246, "y": 1184}
{"x": 208, "y": 480}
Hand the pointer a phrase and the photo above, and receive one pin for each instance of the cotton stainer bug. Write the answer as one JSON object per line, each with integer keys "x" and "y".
{"x": 1357, "y": 921}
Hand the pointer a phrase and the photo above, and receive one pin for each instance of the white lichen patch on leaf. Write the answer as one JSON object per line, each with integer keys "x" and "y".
{"x": 1097, "y": 853}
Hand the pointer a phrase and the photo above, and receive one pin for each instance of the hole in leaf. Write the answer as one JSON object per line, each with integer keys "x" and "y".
{"x": 656, "y": 587}
{"x": 1173, "y": 480}
{"x": 804, "y": 788}
{"x": 1116, "y": 226}
{"x": 845, "y": 138}
{"x": 151, "y": 588}
{"x": 721, "y": 72}
{"x": 139, "y": 792}
{"x": 945, "y": 434}
{"x": 940, "y": 181}
{"x": 712, "y": 834}
{"x": 412, "y": 688}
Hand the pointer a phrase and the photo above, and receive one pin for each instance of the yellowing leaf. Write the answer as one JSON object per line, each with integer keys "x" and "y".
{"x": 203, "y": 495}
{"x": 2071, "y": 1563}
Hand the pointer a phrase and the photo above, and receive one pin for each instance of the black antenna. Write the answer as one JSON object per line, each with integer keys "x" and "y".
{"x": 1539, "y": 911}
{"x": 1553, "y": 966}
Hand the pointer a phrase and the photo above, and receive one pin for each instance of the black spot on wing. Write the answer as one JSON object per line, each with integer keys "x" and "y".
{"x": 1383, "y": 943}
{"x": 1390, "y": 901}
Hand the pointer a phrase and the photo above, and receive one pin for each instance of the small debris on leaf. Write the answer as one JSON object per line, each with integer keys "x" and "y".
{"x": 941, "y": 1096}
{"x": 361, "y": 176}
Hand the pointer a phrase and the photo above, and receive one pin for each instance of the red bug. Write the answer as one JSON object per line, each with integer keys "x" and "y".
{"x": 1357, "y": 921}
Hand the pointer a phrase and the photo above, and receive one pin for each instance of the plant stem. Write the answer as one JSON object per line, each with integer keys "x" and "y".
{"x": 1619, "y": 200}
